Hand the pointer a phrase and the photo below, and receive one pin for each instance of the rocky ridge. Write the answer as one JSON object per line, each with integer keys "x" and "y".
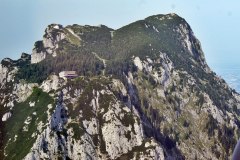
{"x": 144, "y": 92}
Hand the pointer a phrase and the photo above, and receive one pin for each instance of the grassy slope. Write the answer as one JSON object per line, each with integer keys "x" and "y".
{"x": 15, "y": 124}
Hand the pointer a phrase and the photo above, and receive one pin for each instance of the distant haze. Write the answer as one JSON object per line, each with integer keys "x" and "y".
{"x": 215, "y": 23}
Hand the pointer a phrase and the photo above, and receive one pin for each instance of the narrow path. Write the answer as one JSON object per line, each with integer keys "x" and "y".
{"x": 101, "y": 59}
{"x": 75, "y": 35}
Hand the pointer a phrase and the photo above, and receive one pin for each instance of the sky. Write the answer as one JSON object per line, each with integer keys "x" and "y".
{"x": 215, "y": 23}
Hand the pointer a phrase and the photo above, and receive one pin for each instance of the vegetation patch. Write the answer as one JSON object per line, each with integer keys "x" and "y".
{"x": 78, "y": 131}
{"x": 14, "y": 126}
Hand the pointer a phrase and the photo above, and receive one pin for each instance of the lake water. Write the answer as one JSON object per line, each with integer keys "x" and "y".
{"x": 231, "y": 74}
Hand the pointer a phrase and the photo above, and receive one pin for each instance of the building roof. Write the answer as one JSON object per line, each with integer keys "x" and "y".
{"x": 68, "y": 74}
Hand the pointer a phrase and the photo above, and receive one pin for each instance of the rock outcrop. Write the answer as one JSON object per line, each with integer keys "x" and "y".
{"x": 53, "y": 35}
{"x": 6, "y": 116}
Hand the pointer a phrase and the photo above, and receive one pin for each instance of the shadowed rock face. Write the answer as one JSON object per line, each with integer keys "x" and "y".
{"x": 144, "y": 91}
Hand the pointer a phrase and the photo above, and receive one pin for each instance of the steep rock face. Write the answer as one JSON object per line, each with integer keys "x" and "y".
{"x": 11, "y": 90}
{"x": 37, "y": 54}
{"x": 191, "y": 43}
{"x": 7, "y": 73}
{"x": 53, "y": 35}
{"x": 177, "y": 108}
{"x": 3, "y": 76}
{"x": 108, "y": 129}
{"x": 9, "y": 67}
{"x": 144, "y": 92}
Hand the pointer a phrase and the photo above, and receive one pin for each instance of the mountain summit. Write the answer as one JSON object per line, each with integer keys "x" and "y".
{"x": 143, "y": 91}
